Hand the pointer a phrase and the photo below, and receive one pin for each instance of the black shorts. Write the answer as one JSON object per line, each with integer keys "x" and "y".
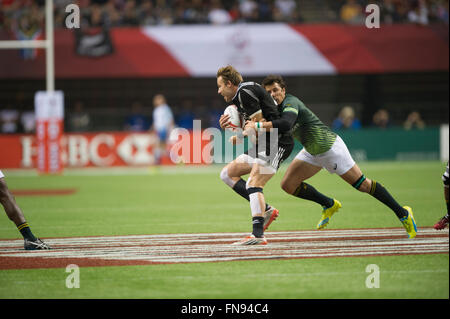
{"x": 273, "y": 155}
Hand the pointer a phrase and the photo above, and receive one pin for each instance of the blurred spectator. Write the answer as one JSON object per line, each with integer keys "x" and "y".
{"x": 217, "y": 14}
{"x": 112, "y": 14}
{"x": 352, "y": 12}
{"x": 418, "y": 13}
{"x": 163, "y": 125}
{"x": 381, "y": 119}
{"x": 346, "y": 120}
{"x": 388, "y": 12}
{"x": 265, "y": 11}
{"x": 284, "y": 10}
{"x": 96, "y": 17}
{"x": 403, "y": 8}
{"x": 146, "y": 14}
{"x": 130, "y": 14}
{"x": 79, "y": 120}
{"x": 248, "y": 10}
{"x": 9, "y": 120}
{"x": 441, "y": 11}
{"x": 166, "y": 12}
{"x": 137, "y": 121}
{"x": 414, "y": 120}
{"x": 28, "y": 122}
{"x": 27, "y": 26}
{"x": 234, "y": 12}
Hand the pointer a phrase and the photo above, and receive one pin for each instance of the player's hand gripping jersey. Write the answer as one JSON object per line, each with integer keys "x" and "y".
{"x": 252, "y": 99}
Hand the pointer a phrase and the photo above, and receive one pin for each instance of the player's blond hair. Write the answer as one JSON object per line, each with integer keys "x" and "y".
{"x": 228, "y": 73}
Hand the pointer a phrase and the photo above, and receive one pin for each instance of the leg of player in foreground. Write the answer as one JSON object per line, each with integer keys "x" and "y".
{"x": 338, "y": 160}
{"x": 443, "y": 222}
{"x": 15, "y": 214}
{"x": 255, "y": 184}
{"x": 231, "y": 176}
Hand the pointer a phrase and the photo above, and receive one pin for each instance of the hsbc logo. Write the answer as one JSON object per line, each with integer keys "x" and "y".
{"x": 101, "y": 150}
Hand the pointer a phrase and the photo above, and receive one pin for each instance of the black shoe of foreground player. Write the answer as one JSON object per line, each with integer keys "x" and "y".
{"x": 35, "y": 245}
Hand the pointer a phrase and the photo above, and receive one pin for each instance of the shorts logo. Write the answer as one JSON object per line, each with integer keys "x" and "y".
{"x": 335, "y": 166}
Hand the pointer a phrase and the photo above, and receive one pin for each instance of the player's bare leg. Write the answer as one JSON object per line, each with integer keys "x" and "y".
{"x": 16, "y": 215}
{"x": 232, "y": 174}
{"x": 233, "y": 171}
{"x": 297, "y": 172}
{"x": 8, "y": 202}
{"x": 258, "y": 178}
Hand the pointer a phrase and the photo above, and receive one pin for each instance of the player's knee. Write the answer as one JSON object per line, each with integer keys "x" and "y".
{"x": 253, "y": 182}
{"x": 225, "y": 177}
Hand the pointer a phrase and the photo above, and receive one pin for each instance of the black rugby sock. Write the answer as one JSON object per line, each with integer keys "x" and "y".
{"x": 25, "y": 230}
{"x": 241, "y": 189}
{"x": 379, "y": 192}
{"x": 308, "y": 192}
{"x": 258, "y": 229}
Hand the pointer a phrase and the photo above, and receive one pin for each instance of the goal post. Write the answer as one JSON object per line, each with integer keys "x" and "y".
{"x": 49, "y": 104}
{"x": 47, "y": 45}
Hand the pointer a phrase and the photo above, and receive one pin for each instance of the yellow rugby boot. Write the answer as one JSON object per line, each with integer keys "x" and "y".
{"x": 409, "y": 223}
{"x": 327, "y": 213}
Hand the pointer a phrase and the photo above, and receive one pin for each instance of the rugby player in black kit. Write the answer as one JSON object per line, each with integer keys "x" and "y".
{"x": 263, "y": 160}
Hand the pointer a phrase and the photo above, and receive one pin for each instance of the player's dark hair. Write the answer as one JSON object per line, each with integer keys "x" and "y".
{"x": 228, "y": 73}
{"x": 271, "y": 79}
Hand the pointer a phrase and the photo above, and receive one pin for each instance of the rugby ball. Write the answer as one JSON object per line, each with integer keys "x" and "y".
{"x": 236, "y": 120}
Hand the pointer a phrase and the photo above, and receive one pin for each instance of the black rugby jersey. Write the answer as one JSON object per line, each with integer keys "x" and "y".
{"x": 251, "y": 98}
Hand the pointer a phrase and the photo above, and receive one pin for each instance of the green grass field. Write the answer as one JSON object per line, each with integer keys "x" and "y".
{"x": 195, "y": 200}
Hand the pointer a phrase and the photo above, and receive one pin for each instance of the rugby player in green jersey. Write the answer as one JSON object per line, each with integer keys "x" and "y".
{"x": 322, "y": 148}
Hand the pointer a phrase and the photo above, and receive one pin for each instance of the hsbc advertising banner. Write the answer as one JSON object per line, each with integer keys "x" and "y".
{"x": 103, "y": 149}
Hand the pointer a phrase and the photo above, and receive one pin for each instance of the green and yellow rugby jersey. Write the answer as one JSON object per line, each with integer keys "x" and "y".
{"x": 308, "y": 129}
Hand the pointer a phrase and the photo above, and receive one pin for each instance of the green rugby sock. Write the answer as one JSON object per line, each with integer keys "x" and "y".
{"x": 308, "y": 192}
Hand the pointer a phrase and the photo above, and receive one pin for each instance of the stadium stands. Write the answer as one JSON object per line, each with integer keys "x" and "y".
{"x": 118, "y": 13}
{"x": 110, "y": 98}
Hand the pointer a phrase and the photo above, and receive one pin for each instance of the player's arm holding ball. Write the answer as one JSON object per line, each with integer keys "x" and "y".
{"x": 248, "y": 129}
{"x": 224, "y": 121}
